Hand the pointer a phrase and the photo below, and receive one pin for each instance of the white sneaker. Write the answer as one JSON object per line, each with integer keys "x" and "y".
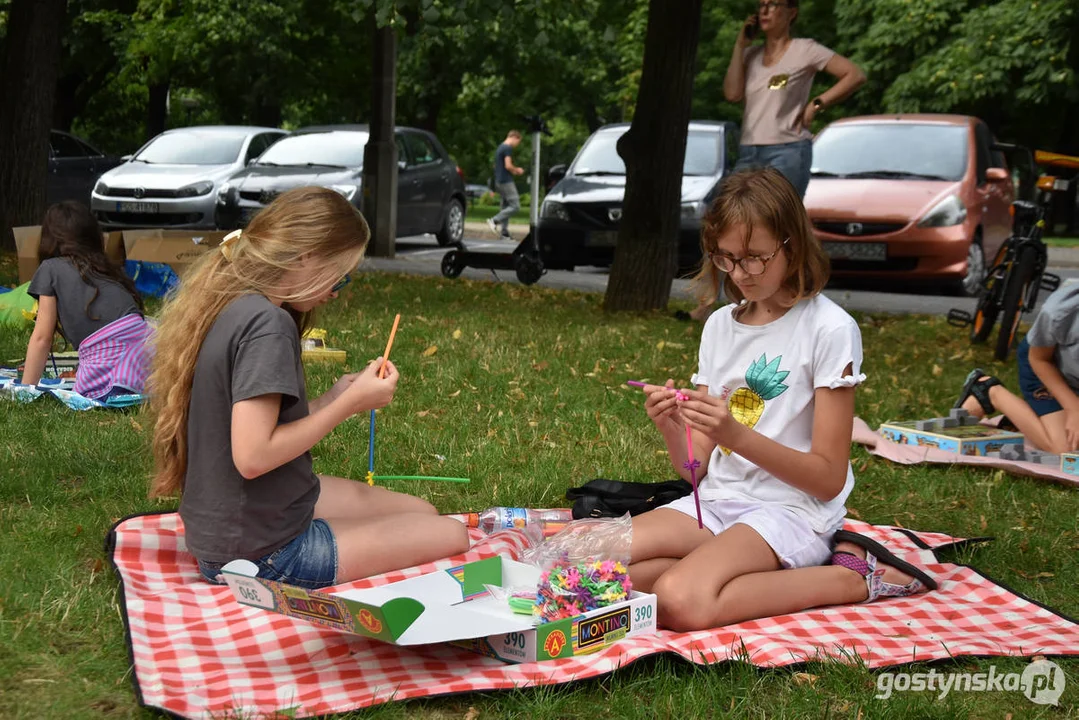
{"x": 491, "y": 224}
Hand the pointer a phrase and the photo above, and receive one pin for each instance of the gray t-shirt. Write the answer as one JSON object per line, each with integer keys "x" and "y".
{"x": 1058, "y": 324}
{"x": 252, "y": 349}
{"x": 59, "y": 278}
{"x": 502, "y": 175}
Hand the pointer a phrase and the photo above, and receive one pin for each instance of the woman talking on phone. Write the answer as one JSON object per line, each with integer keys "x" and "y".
{"x": 774, "y": 79}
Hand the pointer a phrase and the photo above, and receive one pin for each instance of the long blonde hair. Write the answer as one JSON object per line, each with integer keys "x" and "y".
{"x": 767, "y": 198}
{"x": 309, "y": 225}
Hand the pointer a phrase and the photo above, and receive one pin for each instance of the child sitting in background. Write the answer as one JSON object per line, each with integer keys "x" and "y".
{"x": 1048, "y": 412}
{"x": 91, "y": 302}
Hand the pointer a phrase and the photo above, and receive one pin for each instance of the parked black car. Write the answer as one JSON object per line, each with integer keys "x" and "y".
{"x": 578, "y": 223}
{"x": 74, "y": 167}
{"x": 430, "y": 189}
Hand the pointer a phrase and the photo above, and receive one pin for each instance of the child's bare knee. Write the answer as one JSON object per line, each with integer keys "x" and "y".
{"x": 1059, "y": 447}
{"x": 457, "y": 537}
{"x": 681, "y": 608}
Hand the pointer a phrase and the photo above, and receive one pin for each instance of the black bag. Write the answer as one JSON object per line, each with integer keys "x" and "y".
{"x": 614, "y": 498}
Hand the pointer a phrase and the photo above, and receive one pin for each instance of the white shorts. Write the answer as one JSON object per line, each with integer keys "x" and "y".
{"x": 791, "y": 538}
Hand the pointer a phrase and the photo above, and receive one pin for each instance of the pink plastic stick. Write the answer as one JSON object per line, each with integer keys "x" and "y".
{"x": 692, "y": 465}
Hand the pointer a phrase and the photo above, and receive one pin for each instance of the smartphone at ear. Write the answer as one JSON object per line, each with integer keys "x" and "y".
{"x": 752, "y": 28}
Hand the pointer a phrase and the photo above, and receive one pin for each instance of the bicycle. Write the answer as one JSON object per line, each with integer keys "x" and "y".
{"x": 1011, "y": 286}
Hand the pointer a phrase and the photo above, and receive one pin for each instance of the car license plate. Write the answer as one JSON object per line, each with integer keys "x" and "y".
{"x": 1060, "y": 184}
{"x": 137, "y": 207}
{"x": 856, "y": 251}
{"x": 604, "y": 238}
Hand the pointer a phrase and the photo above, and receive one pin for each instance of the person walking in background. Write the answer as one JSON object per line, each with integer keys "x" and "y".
{"x": 504, "y": 185}
{"x": 774, "y": 80}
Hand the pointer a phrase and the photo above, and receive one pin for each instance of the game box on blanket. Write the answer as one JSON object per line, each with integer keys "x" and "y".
{"x": 451, "y": 606}
{"x": 959, "y": 433}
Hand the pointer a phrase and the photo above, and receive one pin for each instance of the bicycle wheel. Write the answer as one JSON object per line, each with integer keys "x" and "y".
{"x": 1015, "y": 292}
{"x": 985, "y": 316}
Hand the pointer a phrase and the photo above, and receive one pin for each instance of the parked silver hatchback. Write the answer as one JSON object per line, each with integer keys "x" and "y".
{"x": 172, "y": 181}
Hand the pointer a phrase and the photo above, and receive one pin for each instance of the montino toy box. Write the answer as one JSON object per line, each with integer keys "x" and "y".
{"x": 452, "y": 606}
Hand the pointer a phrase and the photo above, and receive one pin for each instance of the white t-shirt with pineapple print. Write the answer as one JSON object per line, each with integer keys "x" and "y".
{"x": 768, "y": 374}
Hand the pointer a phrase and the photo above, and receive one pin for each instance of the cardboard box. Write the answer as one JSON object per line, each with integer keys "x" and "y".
{"x": 451, "y": 606}
{"x": 28, "y": 239}
{"x": 176, "y": 248}
{"x": 964, "y": 439}
{"x": 1069, "y": 463}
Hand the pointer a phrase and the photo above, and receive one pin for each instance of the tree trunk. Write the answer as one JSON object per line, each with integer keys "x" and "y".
{"x": 157, "y": 110}
{"x": 591, "y": 117}
{"x": 267, "y": 113}
{"x": 653, "y": 148}
{"x": 380, "y": 155}
{"x": 64, "y": 112}
{"x": 28, "y": 74}
{"x": 430, "y": 109}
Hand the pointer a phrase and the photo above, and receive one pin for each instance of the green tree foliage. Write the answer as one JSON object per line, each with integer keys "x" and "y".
{"x": 1011, "y": 62}
{"x": 468, "y": 69}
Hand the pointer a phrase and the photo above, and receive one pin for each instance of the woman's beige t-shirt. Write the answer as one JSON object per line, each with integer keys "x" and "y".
{"x": 776, "y": 96}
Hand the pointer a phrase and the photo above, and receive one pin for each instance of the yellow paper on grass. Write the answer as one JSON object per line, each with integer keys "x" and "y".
{"x": 314, "y": 348}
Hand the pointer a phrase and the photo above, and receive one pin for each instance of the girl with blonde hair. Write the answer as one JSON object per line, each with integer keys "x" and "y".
{"x": 772, "y": 410}
{"x": 234, "y": 428}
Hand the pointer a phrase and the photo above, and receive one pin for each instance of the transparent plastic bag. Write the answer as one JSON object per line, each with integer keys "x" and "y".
{"x": 585, "y": 540}
{"x": 584, "y": 566}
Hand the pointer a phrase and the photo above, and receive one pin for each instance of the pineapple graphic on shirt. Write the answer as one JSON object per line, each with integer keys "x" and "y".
{"x": 764, "y": 382}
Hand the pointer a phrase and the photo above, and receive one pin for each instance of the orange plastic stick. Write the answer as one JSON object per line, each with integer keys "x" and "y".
{"x": 389, "y": 344}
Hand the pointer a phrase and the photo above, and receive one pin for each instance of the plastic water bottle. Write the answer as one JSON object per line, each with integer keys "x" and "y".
{"x": 494, "y": 519}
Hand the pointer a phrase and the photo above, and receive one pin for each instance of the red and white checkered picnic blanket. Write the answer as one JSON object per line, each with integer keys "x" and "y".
{"x": 197, "y": 652}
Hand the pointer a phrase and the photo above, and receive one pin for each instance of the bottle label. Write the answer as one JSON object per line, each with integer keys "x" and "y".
{"x": 510, "y": 518}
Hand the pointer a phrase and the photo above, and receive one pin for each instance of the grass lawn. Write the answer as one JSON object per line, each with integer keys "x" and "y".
{"x": 1062, "y": 242}
{"x": 521, "y": 390}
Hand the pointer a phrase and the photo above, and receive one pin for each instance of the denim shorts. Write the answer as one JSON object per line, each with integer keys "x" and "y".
{"x": 309, "y": 561}
{"x": 1034, "y": 391}
{"x": 792, "y": 159}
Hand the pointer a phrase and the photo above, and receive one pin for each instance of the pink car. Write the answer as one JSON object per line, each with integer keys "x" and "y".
{"x": 918, "y": 197}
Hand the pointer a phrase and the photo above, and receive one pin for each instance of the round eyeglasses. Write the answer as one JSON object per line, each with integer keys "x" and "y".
{"x": 750, "y": 264}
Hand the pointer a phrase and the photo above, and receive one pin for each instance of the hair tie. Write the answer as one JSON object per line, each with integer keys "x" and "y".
{"x": 227, "y": 242}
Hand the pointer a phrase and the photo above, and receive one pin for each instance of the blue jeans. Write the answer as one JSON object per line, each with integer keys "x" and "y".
{"x": 792, "y": 159}
{"x": 1034, "y": 391}
{"x": 309, "y": 561}
{"x": 511, "y": 203}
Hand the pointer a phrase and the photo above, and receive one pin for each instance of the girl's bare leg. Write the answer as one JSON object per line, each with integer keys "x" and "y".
{"x": 378, "y": 530}
{"x": 736, "y": 577}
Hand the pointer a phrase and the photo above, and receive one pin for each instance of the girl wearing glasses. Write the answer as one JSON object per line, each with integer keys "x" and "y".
{"x": 772, "y": 410}
{"x": 774, "y": 79}
{"x": 234, "y": 427}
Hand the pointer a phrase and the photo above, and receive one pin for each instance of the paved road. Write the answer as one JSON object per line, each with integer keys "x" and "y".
{"x": 422, "y": 256}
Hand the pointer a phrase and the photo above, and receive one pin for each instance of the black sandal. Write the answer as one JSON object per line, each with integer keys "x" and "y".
{"x": 872, "y": 547}
{"x": 979, "y": 389}
{"x": 868, "y": 568}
